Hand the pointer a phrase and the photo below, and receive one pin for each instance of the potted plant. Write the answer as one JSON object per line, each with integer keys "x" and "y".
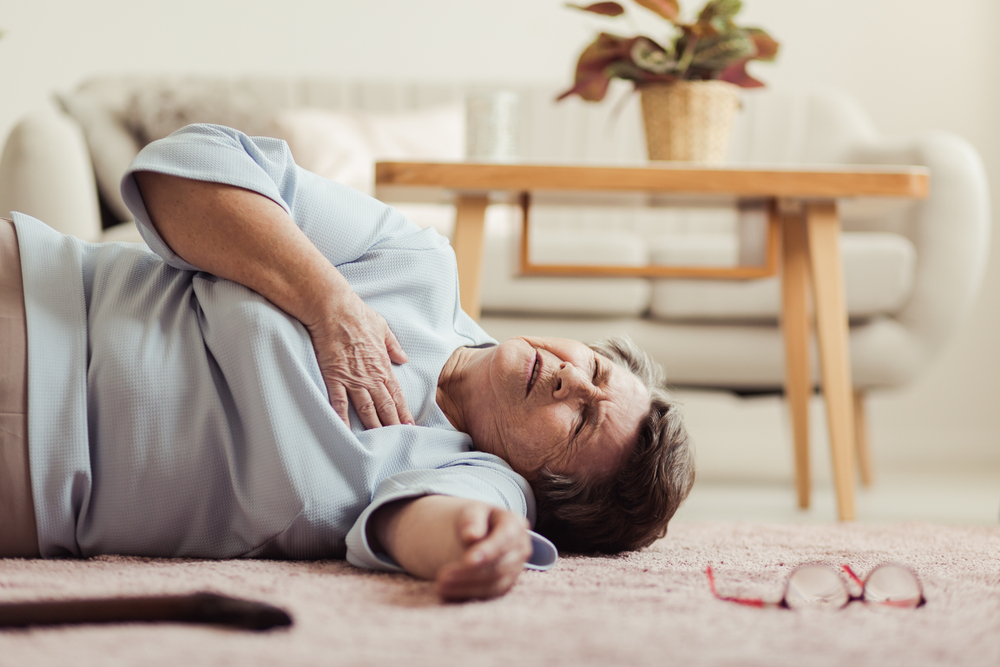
{"x": 689, "y": 83}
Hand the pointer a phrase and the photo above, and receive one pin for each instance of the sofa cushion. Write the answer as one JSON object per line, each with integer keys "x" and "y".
{"x": 878, "y": 277}
{"x": 504, "y": 291}
{"x": 693, "y": 249}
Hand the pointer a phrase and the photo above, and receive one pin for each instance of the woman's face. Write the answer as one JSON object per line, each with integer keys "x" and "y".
{"x": 554, "y": 402}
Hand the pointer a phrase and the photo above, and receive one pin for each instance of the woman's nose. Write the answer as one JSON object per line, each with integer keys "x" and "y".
{"x": 570, "y": 382}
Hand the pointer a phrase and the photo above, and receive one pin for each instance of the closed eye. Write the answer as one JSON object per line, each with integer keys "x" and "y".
{"x": 602, "y": 371}
{"x": 583, "y": 422}
{"x": 585, "y": 411}
{"x": 589, "y": 415}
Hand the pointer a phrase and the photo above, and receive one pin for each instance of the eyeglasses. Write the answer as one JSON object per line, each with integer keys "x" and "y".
{"x": 816, "y": 586}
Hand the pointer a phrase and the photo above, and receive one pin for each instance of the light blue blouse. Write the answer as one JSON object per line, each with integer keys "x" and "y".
{"x": 173, "y": 413}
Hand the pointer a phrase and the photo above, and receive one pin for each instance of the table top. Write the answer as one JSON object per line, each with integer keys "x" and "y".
{"x": 804, "y": 181}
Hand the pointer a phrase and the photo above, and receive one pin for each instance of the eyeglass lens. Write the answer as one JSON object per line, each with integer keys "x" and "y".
{"x": 893, "y": 585}
{"x": 821, "y": 586}
{"x": 815, "y": 586}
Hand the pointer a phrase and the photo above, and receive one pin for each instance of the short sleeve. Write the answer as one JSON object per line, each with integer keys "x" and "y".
{"x": 342, "y": 223}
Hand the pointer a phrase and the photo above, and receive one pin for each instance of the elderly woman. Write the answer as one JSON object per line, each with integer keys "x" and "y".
{"x": 288, "y": 374}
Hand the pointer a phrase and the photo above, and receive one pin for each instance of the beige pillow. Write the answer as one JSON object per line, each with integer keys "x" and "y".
{"x": 344, "y": 146}
{"x": 112, "y": 147}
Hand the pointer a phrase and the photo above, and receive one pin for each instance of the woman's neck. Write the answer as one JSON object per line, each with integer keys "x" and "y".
{"x": 458, "y": 381}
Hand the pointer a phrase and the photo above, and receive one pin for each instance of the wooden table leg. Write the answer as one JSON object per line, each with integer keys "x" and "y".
{"x": 795, "y": 325}
{"x": 470, "y": 221}
{"x": 832, "y": 333}
{"x": 861, "y": 439}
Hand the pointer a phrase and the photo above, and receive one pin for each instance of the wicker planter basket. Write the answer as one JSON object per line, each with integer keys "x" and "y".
{"x": 689, "y": 120}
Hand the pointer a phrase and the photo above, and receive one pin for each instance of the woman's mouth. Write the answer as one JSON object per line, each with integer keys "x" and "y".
{"x": 536, "y": 370}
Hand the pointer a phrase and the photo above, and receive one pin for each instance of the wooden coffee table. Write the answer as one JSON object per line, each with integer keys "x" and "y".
{"x": 803, "y": 243}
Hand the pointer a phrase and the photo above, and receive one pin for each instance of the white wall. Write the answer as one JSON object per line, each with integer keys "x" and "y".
{"x": 914, "y": 64}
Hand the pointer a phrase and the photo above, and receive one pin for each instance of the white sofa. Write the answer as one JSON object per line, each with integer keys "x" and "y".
{"x": 912, "y": 269}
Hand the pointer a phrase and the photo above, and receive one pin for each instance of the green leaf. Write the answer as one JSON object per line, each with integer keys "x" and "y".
{"x": 716, "y": 18}
{"x": 668, "y": 9}
{"x": 718, "y": 52}
{"x": 603, "y": 8}
{"x": 650, "y": 56}
{"x": 624, "y": 69}
{"x": 723, "y": 9}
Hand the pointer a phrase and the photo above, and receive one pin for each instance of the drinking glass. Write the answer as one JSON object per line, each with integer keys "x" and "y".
{"x": 491, "y": 126}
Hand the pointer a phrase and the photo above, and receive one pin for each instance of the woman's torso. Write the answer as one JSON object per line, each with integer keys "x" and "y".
{"x": 209, "y": 431}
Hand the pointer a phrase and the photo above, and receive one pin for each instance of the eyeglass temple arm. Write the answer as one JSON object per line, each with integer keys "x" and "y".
{"x": 749, "y": 602}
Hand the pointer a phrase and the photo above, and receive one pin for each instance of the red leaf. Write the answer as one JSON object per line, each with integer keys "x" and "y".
{"x": 668, "y": 9}
{"x": 591, "y": 81}
{"x": 603, "y": 8}
{"x": 604, "y": 49}
{"x": 592, "y": 88}
{"x": 737, "y": 74}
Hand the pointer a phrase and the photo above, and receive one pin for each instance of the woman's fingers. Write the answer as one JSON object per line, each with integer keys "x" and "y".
{"x": 492, "y": 563}
{"x": 339, "y": 401}
{"x": 461, "y": 580}
{"x": 507, "y": 532}
{"x": 394, "y": 349}
{"x": 376, "y": 406}
{"x": 364, "y": 406}
{"x": 355, "y": 352}
{"x": 473, "y": 523}
{"x": 385, "y": 406}
{"x": 397, "y": 400}
{"x": 453, "y": 588}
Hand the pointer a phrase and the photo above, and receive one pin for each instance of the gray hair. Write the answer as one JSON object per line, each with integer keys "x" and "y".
{"x": 630, "y": 508}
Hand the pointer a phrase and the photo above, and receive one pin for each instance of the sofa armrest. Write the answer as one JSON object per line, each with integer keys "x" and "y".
{"x": 950, "y": 230}
{"x": 45, "y": 171}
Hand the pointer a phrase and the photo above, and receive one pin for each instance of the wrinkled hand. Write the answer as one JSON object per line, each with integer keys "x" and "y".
{"x": 355, "y": 350}
{"x": 496, "y": 548}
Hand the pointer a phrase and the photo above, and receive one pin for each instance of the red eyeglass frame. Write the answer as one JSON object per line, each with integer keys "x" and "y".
{"x": 761, "y": 603}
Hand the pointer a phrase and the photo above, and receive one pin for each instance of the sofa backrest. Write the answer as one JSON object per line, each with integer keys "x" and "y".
{"x": 120, "y": 114}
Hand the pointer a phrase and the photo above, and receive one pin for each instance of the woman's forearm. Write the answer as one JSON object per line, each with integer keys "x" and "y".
{"x": 470, "y": 549}
{"x": 419, "y": 534}
{"x": 245, "y": 237}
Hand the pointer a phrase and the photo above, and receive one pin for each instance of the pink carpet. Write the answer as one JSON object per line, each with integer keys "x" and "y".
{"x": 647, "y": 608}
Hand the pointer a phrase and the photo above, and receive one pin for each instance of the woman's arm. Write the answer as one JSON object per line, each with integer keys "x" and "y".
{"x": 245, "y": 237}
{"x": 470, "y": 549}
